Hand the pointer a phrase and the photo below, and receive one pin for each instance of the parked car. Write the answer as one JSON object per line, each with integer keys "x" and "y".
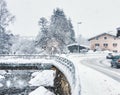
{"x": 109, "y": 56}
{"x": 115, "y": 62}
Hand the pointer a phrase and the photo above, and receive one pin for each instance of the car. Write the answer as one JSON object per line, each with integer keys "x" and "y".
{"x": 115, "y": 62}
{"x": 109, "y": 56}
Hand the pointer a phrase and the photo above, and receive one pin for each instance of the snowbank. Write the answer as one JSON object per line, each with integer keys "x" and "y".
{"x": 1, "y": 85}
{"x": 41, "y": 91}
{"x": 43, "y": 78}
{"x": 35, "y": 73}
{"x": 1, "y": 77}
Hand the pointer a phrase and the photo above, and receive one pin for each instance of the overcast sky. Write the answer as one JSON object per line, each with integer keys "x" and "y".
{"x": 97, "y": 16}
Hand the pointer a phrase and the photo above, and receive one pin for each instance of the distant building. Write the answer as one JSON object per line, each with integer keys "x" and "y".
{"x": 106, "y": 41}
{"x": 118, "y": 32}
{"x": 76, "y": 48}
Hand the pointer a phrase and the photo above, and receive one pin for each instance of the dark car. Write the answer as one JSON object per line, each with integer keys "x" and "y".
{"x": 109, "y": 56}
{"x": 115, "y": 62}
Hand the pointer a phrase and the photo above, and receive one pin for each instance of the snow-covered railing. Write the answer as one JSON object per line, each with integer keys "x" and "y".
{"x": 24, "y": 56}
{"x": 63, "y": 64}
{"x": 68, "y": 68}
{"x": 68, "y": 65}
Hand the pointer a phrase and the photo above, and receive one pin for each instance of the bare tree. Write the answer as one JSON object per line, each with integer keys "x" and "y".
{"x": 5, "y": 15}
{"x": 5, "y": 19}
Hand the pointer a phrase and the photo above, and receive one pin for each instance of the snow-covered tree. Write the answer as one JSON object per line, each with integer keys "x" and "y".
{"x": 59, "y": 33}
{"x": 61, "y": 29}
{"x": 5, "y": 19}
{"x": 42, "y": 37}
{"x": 5, "y": 43}
{"x": 71, "y": 30}
{"x": 5, "y": 16}
{"x": 23, "y": 46}
{"x": 43, "y": 23}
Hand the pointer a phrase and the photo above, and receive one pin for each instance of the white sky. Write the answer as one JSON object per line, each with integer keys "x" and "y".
{"x": 97, "y": 16}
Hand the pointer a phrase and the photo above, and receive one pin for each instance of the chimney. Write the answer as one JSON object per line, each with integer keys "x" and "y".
{"x": 118, "y": 32}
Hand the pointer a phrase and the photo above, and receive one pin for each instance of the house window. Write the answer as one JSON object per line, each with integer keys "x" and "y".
{"x": 105, "y": 38}
{"x": 97, "y": 44}
{"x": 115, "y": 51}
{"x": 105, "y": 45}
{"x": 114, "y": 44}
{"x": 96, "y": 38}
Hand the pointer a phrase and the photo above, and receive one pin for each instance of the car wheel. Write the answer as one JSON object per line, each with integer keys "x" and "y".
{"x": 111, "y": 65}
{"x": 115, "y": 66}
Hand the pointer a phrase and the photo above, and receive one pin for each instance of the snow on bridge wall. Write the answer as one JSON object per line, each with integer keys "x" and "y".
{"x": 70, "y": 71}
{"x": 63, "y": 64}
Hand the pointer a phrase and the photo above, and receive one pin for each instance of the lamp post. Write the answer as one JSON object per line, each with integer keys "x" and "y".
{"x": 78, "y": 23}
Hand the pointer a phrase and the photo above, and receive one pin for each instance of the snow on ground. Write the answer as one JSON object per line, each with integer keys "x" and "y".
{"x": 43, "y": 78}
{"x": 2, "y": 72}
{"x": 35, "y": 74}
{"x": 41, "y": 91}
{"x": 20, "y": 60}
{"x": 94, "y": 82}
{"x": 1, "y": 77}
{"x": 1, "y": 85}
{"x": 106, "y": 62}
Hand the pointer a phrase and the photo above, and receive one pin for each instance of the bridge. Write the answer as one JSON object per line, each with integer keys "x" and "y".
{"x": 42, "y": 62}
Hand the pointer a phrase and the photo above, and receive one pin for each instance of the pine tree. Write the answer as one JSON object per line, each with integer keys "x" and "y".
{"x": 71, "y": 30}
{"x": 42, "y": 37}
{"x": 58, "y": 34}
{"x": 61, "y": 29}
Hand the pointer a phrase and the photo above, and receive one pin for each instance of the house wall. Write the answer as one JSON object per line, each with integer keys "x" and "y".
{"x": 110, "y": 40}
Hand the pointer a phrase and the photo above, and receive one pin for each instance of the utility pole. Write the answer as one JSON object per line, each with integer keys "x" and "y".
{"x": 78, "y": 23}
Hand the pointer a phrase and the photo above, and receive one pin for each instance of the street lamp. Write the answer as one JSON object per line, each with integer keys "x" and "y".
{"x": 78, "y": 23}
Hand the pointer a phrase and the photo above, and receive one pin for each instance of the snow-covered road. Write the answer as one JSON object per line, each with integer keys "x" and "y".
{"x": 107, "y": 70}
{"x": 95, "y": 81}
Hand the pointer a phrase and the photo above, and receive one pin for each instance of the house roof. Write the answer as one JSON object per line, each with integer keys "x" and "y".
{"x": 102, "y": 35}
{"x": 73, "y": 44}
{"x": 78, "y": 45}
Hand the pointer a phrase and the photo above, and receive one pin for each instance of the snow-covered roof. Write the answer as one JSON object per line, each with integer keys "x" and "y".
{"x": 85, "y": 46}
{"x": 73, "y": 44}
{"x": 78, "y": 45}
{"x": 102, "y": 35}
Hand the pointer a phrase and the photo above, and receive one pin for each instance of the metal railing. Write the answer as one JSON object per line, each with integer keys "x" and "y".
{"x": 70, "y": 73}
